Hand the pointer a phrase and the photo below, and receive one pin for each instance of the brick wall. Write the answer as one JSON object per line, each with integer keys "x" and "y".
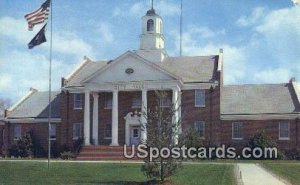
{"x": 210, "y": 114}
{"x": 1, "y": 138}
{"x": 40, "y": 132}
{"x": 270, "y": 127}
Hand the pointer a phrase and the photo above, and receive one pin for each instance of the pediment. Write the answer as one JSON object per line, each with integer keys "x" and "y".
{"x": 129, "y": 67}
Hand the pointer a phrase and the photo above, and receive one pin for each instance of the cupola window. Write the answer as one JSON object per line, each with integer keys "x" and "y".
{"x": 150, "y": 25}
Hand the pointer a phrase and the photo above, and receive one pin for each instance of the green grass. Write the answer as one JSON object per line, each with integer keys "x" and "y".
{"x": 106, "y": 173}
{"x": 289, "y": 171}
{"x": 205, "y": 174}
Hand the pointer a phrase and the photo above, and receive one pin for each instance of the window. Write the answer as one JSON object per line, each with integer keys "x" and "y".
{"x": 237, "y": 128}
{"x": 17, "y": 131}
{"x": 284, "y": 130}
{"x": 53, "y": 132}
{"x": 77, "y": 101}
{"x": 150, "y": 25}
{"x": 108, "y": 100}
{"x": 136, "y": 102}
{"x": 199, "y": 98}
{"x": 165, "y": 101}
{"x": 200, "y": 128}
{"x": 77, "y": 130}
{"x": 107, "y": 133}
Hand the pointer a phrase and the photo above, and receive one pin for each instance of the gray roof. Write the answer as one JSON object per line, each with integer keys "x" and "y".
{"x": 36, "y": 106}
{"x": 88, "y": 69}
{"x": 259, "y": 99}
{"x": 189, "y": 69}
{"x": 192, "y": 69}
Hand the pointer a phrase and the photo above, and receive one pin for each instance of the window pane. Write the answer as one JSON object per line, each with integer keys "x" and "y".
{"x": 107, "y": 130}
{"x": 17, "y": 131}
{"x": 53, "y": 131}
{"x": 284, "y": 130}
{"x": 237, "y": 130}
{"x": 165, "y": 100}
{"x": 150, "y": 25}
{"x": 108, "y": 101}
{"x": 136, "y": 102}
{"x": 77, "y": 101}
{"x": 200, "y": 128}
{"x": 199, "y": 97}
{"x": 76, "y": 130}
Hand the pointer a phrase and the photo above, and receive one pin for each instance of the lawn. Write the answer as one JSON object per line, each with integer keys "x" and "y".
{"x": 106, "y": 173}
{"x": 290, "y": 171}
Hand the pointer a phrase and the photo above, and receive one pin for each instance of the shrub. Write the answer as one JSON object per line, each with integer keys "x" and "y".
{"x": 261, "y": 140}
{"x": 38, "y": 150}
{"x": 67, "y": 155}
{"x": 293, "y": 154}
{"x": 23, "y": 147}
{"x": 190, "y": 138}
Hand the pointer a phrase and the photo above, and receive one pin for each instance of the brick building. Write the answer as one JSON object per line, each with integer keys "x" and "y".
{"x": 98, "y": 99}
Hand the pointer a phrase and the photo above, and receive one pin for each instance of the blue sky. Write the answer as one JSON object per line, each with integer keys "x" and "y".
{"x": 261, "y": 39}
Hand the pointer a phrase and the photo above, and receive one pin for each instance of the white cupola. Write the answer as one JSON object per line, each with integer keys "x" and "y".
{"x": 152, "y": 38}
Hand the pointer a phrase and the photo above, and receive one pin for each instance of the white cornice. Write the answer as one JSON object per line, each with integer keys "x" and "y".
{"x": 260, "y": 116}
{"x": 33, "y": 120}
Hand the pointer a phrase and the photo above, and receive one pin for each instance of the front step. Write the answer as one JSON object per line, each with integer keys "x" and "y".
{"x": 104, "y": 153}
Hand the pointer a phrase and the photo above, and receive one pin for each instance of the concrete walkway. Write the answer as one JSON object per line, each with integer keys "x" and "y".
{"x": 253, "y": 174}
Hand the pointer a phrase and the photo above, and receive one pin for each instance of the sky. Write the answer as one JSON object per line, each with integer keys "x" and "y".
{"x": 260, "y": 39}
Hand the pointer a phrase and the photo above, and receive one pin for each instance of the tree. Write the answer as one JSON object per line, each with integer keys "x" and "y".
{"x": 162, "y": 131}
{"x": 4, "y": 104}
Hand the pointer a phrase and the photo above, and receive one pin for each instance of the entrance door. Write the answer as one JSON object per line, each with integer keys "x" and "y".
{"x": 135, "y": 132}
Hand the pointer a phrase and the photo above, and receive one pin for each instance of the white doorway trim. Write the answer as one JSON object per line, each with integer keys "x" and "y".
{"x": 132, "y": 119}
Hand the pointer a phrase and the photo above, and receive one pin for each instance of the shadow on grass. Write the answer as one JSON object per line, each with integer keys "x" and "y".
{"x": 151, "y": 182}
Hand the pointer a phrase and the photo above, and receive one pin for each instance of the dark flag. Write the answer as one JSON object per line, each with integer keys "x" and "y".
{"x": 38, "y": 16}
{"x": 38, "y": 39}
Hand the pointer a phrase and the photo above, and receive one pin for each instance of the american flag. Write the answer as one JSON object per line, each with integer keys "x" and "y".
{"x": 38, "y": 16}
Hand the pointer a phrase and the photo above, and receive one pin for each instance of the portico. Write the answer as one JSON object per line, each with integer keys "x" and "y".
{"x": 143, "y": 86}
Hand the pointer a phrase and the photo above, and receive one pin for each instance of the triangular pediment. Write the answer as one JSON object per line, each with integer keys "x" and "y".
{"x": 130, "y": 67}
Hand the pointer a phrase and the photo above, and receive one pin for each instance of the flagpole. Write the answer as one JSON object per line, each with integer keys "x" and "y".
{"x": 50, "y": 71}
{"x": 180, "y": 49}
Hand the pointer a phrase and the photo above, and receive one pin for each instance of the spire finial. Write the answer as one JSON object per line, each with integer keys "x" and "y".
{"x": 152, "y": 4}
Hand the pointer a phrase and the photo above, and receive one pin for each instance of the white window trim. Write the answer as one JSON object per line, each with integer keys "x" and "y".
{"x": 203, "y": 137}
{"x": 74, "y": 100}
{"x": 232, "y": 133}
{"x": 77, "y": 137}
{"x": 201, "y": 106}
{"x": 284, "y": 138}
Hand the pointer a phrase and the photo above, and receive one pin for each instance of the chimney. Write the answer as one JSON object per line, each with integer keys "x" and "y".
{"x": 293, "y": 79}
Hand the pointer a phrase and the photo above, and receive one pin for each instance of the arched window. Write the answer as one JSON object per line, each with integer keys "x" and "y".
{"x": 150, "y": 25}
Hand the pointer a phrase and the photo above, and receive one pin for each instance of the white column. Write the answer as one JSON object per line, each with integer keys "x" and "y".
{"x": 95, "y": 119}
{"x": 114, "y": 135}
{"x": 175, "y": 102}
{"x": 143, "y": 118}
{"x": 86, "y": 127}
{"x": 179, "y": 112}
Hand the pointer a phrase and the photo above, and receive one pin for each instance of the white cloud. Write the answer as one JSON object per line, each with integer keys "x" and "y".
{"x": 256, "y": 15}
{"x": 27, "y": 70}
{"x": 69, "y": 43}
{"x": 5, "y": 81}
{"x": 64, "y": 42}
{"x": 166, "y": 8}
{"x": 273, "y": 75}
{"x": 106, "y": 33}
{"x": 163, "y": 8}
